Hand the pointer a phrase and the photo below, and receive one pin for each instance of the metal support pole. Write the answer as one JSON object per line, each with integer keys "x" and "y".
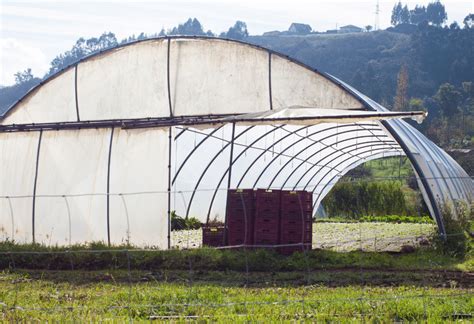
{"x": 108, "y": 184}
{"x": 231, "y": 157}
{"x": 75, "y": 93}
{"x": 169, "y": 186}
{"x": 270, "y": 79}
{"x": 168, "y": 77}
{"x": 33, "y": 213}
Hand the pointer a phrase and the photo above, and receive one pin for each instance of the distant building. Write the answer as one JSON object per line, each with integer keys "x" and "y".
{"x": 300, "y": 29}
{"x": 350, "y": 29}
{"x": 331, "y": 31}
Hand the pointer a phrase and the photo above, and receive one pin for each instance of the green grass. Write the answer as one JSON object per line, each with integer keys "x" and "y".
{"x": 207, "y": 259}
{"x": 92, "y": 282}
{"x": 390, "y": 167}
{"x": 93, "y": 296}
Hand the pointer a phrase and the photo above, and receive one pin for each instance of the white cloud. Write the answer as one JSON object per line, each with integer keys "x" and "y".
{"x": 17, "y": 56}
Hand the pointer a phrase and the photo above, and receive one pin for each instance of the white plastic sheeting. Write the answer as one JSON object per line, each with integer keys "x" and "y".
{"x": 17, "y": 174}
{"x": 111, "y": 184}
{"x": 217, "y": 77}
{"x": 295, "y": 85}
{"x": 206, "y": 76}
{"x": 139, "y": 184}
{"x": 84, "y": 184}
{"x": 129, "y": 82}
{"x": 53, "y": 101}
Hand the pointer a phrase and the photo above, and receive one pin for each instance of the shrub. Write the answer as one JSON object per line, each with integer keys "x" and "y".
{"x": 354, "y": 199}
{"x": 193, "y": 223}
{"x": 179, "y": 223}
{"x": 457, "y": 220}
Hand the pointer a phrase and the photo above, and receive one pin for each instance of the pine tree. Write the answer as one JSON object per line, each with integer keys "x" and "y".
{"x": 396, "y": 14}
{"x": 401, "y": 98}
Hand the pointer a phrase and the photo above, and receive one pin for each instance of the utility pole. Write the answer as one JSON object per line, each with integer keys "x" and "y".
{"x": 377, "y": 14}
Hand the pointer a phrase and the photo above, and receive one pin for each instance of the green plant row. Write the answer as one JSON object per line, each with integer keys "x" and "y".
{"x": 398, "y": 219}
{"x": 379, "y": 219}
{"x": 99, "y": 257}
{"x": 355, "y": 199}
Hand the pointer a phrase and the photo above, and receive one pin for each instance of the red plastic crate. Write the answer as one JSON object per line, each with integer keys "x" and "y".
{"x": 296, "y": 226}
{"x": 296, "y": 201}
{"x": 300, "y": 228}
{"x": 295, "y": 237}
{"x": 240, "y": 216}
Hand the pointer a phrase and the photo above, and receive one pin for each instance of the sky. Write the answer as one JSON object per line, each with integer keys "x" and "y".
{"x": 32, "y": 33}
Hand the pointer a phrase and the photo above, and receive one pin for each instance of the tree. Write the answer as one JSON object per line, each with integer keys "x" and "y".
{"x": 416, "y": 104}
{"x": 469, "y": 21}
{"x": 396, "y": 14}
{"x": 436, "y": 13}
{"x": 82, "y": 48}
{"x": 448, "y": 99}
{"x": 401, "y": 98}
{"x": 23, "y": 76}
{"x": 418, "y": 15}
{"x": 405, "y": 15}
{"x": 191, "y": 27}
{"x": 238, "y": 31}
{"x": 454, "y": 25}
{"x": 368, "y": 28}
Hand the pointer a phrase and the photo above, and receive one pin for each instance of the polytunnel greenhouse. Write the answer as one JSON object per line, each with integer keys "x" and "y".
{"x": 106, "y": 149}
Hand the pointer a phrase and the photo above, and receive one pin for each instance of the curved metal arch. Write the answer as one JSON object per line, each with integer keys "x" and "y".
{"x": 336, "y": 150}
{"x": 440, "y": 171}
{"x": 369, "y": 104}
{"x": 235, "y": 160}
{"x": 440, "y": 156}
{"x": 209, "y": 165}
{"x": 309, "y": 157}
{"x": 334, "y": 168}
{"x": 383, "y": 150}
{"x": 289, "y": 133}
{"x": 300, "y": 140}
{"x": 314, "y": 143}
{"x": 192, "y": 152}
{"x": 419, "y": 145}
{"x": 266, "y": 150}
{"x": 349, "y": 167}
{"x": 180, "y": 133}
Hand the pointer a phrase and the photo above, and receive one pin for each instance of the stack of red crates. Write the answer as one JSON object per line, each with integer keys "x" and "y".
{"x": 240, "y": 216}
{"x": 267, "y": 217}
{"x": 296, "y": 225}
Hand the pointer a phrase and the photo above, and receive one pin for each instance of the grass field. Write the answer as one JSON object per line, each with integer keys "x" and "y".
{"x": 340, "y": 282}
{"x": 223, "y": 297}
